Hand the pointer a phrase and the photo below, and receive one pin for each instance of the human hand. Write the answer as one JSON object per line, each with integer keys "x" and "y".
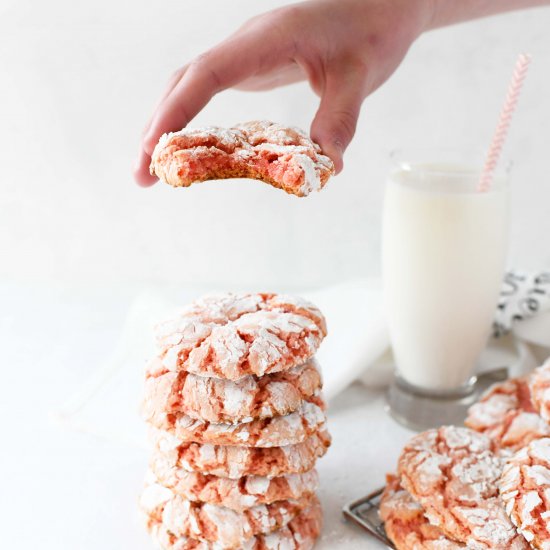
{"x": 344, "y": 48}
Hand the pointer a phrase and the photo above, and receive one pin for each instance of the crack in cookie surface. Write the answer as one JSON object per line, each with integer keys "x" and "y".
{"x": 506, "y": 414}
{"x": 236, "y": 494}
{"x": 217, "y": 524}
{"x": 406, "y": 524}
{"x": 224, "y": 401}
{"x": 232, "y": 336}
{"x": 283, "y": 157}
{"x": 235, "y": 461}
{"x": 453, "y": 474}
{"x": 525, "y": 491}
{"x": 277, "y": 431}
{"x": 299, "y": 534}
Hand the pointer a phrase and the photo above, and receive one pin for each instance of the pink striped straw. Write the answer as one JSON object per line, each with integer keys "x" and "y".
{"x": 499, "y": 137}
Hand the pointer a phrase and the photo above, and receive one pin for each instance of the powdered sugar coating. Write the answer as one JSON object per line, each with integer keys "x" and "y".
{"x": 405, "y": 523}
{"x": 539, "y": 384}
{"x": 453, "y": 474}
{"x": 525, "y": 491}
{"x": 506, "y": 414}
{"x": 235, "y": 461}
{"x": 231, "y": 336}
{"x": 277, "y": 431}
{"x": 300, "y": 534}
{"x": 283, "y": 157}
{"x": 236, "y": 494}
{"x": 225, "y": 401}
{"x": 224, "y": 526}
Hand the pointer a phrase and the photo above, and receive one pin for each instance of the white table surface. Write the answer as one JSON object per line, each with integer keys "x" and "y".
{"x": 67, "y": 490}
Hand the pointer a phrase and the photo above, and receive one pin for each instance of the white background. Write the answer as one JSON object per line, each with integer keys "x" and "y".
{"x": 78, "y": 237}
{"x": 78, "y": 80}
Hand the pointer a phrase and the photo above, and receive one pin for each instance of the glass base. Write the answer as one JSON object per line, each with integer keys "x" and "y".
{"x": 421, "y": 409}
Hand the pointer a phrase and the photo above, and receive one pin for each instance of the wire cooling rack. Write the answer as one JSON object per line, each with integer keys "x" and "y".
{"x": 364, "y": 512}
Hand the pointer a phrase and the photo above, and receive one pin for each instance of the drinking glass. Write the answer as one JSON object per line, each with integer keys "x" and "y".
{"x": 443, "y": 258}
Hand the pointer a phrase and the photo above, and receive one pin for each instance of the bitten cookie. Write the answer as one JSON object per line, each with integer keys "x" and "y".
{"x": 525, "y": 491}
{"x": 284, "y": 157}
{"x": 227, "y": 528}
{"x": 225, "y": 401}
{"x": 236, "y": 335}
{"x": 235, "y": 461}
{"x": 405, "y": 523}
{"x": 236, "y": 494}
{"x": 453, "y": 474}
{"x": 539, "y": 384}
{"x": 506, "y": 414}
{"x": 278, "y": 431}
{"x": 299, "y": 534}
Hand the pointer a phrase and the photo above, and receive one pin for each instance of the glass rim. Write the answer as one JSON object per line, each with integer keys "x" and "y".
{"x": 473, "y": 159}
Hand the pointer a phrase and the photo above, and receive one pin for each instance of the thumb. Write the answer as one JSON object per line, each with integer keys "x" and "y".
{"x": 336, "y": 119}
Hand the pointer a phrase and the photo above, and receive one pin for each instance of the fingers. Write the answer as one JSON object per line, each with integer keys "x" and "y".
{"x": 231, "y": 62}
{"x": 283, "y": 76}
{"x": 176, "y": 77}
{"x": 336, "y": 119}
{"x": 184, "y": 98}
{"x": 141, "y": 169}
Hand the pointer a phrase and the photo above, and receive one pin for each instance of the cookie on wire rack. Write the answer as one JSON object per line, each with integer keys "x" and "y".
{"x": 505, "y": 413}
{"x": 406, "y": 524}
{"x": 525, "y": 491}
{"x": 453, "y": 474}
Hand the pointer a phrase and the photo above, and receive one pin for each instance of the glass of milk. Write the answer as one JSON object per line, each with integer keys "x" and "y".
{"x": 443, "y": 257}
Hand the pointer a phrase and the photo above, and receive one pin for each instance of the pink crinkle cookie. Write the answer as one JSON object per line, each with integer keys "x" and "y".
{"x": 405, "y": 522}
{"x": 525, "y": 491}
{"x": 224, "y": 401}
{"x": 299, "y": 534}
{"x": 283, "y": 157}
{"x": 235, "y": 461}
{"x": 277, "y": 431}
{"x": 539, "y": 384}
{"x": 506, "y": 414}
{"x": 217, "y": 524}
{"x": 453, "y": 474}
{"x": 236, "y": 494}
{"x": 236, "y": 335}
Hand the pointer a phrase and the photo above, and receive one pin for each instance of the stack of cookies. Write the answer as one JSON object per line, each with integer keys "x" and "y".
{"x": 483, "y": 486}
{"x": 233, "y": 399}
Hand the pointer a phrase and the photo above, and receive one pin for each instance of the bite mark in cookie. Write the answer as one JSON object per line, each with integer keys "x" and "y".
{"x": 453, "y": 474}
{"x": 232, "y": 336}
{"x": 525, "y": 491}
{"x": 235, "y": 461}
{"x": 505, "y": 413}
{"x": 224, "y": 401}
{"x": 284, "y": 157}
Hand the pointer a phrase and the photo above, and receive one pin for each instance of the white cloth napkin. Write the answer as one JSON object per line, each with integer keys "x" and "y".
{"x": 357, "y": 348}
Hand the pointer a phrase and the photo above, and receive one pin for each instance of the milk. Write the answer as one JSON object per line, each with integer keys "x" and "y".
{"x": 444, "y": 251}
